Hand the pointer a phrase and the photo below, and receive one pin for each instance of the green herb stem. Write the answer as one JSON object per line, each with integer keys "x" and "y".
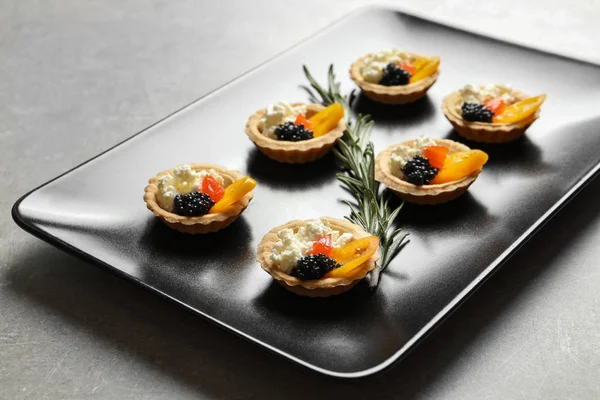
{"x": 356, "y": 152}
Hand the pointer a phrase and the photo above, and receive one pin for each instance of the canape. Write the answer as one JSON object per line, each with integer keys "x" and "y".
{"x": 493, "y": 113}
{"x": 319, "y": 257}
{"x": 296, "y": 133}
{"x": 429, "y": 171}
{"x": 198, "y": 198}
{"x": 395, "y": 77}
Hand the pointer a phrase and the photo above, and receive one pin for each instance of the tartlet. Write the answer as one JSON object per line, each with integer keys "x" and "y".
{"x": 207, "y": 223}
{"x": 294, "y": 152}
{"x": 401, "y": 94}
{"x": 486, "y": 132}
{"x": 426, "y": 194}
{"x": 323, "y": 287}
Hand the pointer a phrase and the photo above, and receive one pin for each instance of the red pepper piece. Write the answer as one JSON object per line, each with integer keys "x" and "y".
{"x": 212, "y": 188}
{"x": 495, "y": 105}
{"x": 324, "y": 245}
{"x": 302, "y": 120}
{"x": 411, "y": 69}
{"x": 436, "y": 155}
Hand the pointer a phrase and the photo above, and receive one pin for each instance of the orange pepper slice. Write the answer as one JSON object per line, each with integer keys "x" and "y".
{"x": 418, "y": 64}
{"x": 302, "y": 120}
{"x": 352, "y": 256}
{"x": 234, "y": 193}
{"x": 427, "y": 69}
{"x": 459, "y": 165}
{"x": 520, "y": 110}
{"x": 350, "y": 250}
{"x": 326, "y": 119}
{"x": 436, "y": 155}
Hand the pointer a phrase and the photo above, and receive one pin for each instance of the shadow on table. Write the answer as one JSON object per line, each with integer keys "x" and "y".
{"x": 291, "y": 176}
{"x": 160, "y": 336}
{"x": 396, "y": 115}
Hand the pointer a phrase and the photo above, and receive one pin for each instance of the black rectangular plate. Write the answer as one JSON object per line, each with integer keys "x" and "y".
{"x": 96, "y": 210}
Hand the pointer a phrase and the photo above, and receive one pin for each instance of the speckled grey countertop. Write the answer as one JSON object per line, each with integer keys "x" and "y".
{"x": 78, "y": 77}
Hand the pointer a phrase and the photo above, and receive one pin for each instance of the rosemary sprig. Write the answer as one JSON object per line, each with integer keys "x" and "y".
{"x": 357, "y": 155}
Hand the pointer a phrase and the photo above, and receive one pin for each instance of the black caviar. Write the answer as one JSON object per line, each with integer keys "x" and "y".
{"x": 393, "y": 75}
{"x": 313, "y": 267}
{"x": 476, "y": 112}
{"x": 419, "y": 171}
{"x": 192, "y": 204}
{"x": 292, "y": 132}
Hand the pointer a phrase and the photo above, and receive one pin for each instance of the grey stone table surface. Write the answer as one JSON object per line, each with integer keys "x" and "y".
{"x": 77, "y": 77}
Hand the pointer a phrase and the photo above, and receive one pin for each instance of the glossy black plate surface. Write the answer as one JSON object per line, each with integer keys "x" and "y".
{"x": 96, "y": 210}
